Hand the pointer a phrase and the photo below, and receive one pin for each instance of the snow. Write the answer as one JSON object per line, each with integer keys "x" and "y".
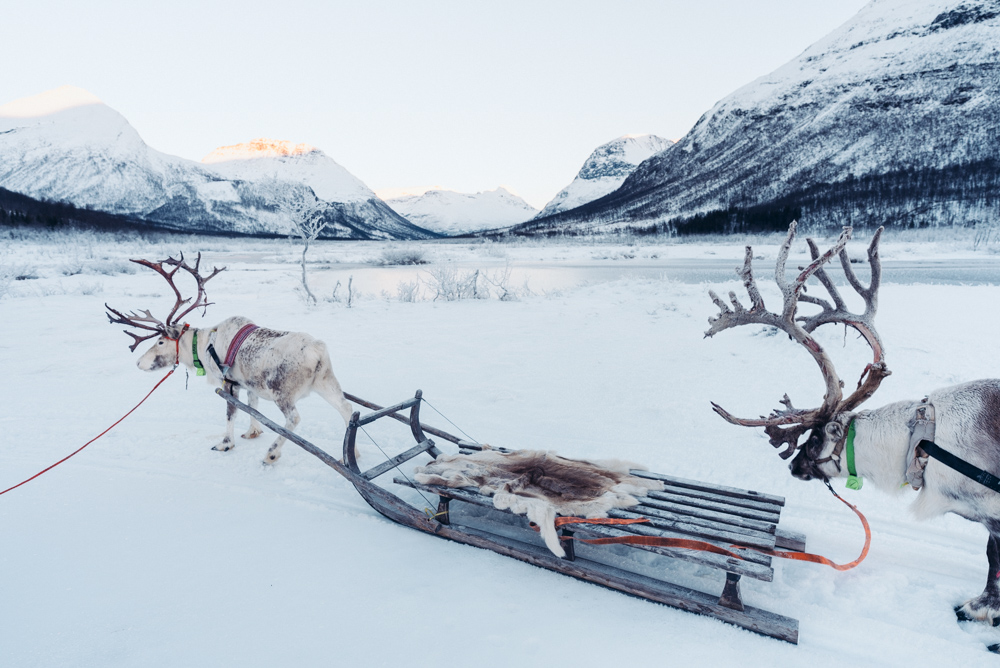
{"x": 607, "y": 168}
{"x": 451, "y": 213}
{"x": 269, "y": 159}
{"x": 150, "y": 549}
{"x": 65, "y": 145}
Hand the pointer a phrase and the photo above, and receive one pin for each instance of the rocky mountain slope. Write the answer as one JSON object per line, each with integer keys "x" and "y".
{"x": 893, "y": 118}
{"x": 67, "y": 146}
{"x": 451, "y": 213}
{"x": 605, "y": 170}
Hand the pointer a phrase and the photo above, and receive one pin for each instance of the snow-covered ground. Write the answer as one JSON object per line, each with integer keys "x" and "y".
{"x": 150, "y": 549}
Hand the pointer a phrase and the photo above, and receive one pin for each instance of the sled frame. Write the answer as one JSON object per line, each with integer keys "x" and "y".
{"x": 747, "y": 507}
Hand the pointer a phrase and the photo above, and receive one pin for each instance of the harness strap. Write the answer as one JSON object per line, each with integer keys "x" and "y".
{"x": 984, "y": 478}
{"x": 234, "y": 347}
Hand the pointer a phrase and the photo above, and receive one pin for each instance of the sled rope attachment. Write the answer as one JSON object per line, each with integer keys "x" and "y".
{"x": 93, "y": 439}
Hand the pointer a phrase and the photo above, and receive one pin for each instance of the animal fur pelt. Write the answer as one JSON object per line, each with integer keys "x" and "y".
{"x": 542, "y": 485}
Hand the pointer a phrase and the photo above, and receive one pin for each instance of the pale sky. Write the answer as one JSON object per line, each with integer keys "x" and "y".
{"x": 464, "y": 95}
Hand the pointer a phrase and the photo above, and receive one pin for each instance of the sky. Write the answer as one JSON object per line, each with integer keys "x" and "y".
{"x": 465, "y": 95}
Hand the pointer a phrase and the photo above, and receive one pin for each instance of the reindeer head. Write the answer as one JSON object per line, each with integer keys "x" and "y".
{"x": 164, "y": 352}
{"x": 819, "y": 455}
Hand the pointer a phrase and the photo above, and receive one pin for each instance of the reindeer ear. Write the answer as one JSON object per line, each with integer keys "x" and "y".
{"x": 834, "y": 430}
{"x": 173, "y": 332}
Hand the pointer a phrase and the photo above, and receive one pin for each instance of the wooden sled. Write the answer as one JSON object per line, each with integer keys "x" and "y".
{"x": 685, "y": 509}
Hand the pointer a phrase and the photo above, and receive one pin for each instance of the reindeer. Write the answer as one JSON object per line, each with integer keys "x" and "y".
{"x": 963, "y": 419}
{"x": 282, "y": 367}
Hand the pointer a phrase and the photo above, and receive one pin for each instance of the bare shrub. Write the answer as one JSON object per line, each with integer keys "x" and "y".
{"x": 90, "y": 289}
{"x": 109, "y": 267}
{"x": 449, "y": 284}
{"x": 408, "y": 291}
{"x": 400, "y": 256}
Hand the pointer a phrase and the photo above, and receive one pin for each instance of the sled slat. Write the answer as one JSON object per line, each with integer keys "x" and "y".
{"x": 664, "y": 520}
{"x": 754, "y": 565}
{"x": 695, "y": 495}
{"x": 371, "y": 417}
{"x": 389, "y": 464}
{"x": 711, "y": 515}
{"x": 714, "y": 489}
{"x": 690, "y": 502}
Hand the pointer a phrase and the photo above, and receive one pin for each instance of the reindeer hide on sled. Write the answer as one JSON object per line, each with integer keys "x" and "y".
{"x": 542, "y": 485}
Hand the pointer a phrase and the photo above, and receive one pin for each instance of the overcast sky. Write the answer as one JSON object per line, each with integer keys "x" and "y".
{"x": 464, "y": 95}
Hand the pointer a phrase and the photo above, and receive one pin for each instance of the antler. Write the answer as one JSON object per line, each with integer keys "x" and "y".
{"x": 864, "y": 323}
{"x": 787, "y": 426}
{"x": 163, "y": 327}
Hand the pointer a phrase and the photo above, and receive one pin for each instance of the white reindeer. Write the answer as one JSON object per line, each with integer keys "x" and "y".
{"x": 963, "y": 419}
{"x": 282, "y": 367}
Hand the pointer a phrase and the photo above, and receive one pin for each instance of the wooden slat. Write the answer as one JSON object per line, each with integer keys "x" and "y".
{"x": 790, "y": 540}
{"x": 664, "y": 520}
{"x": 715, "y": 506}
{"x": 754, "y": 565}
{"x": 371, "y": 417}
{"x": 690, "y": 600}
{"x": 376, "y": 471}
{"x": 714, "y": 489}
{"x": 708, "y": 515}
{"x": 757, "y": 506}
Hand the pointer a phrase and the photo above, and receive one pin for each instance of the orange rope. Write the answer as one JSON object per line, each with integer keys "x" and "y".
{"x": 702, "y": 546}
{"x": 93, "y": 439}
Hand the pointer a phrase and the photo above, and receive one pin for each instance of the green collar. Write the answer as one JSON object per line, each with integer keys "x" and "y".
{"x": 853, "y": 480}
{"x": 194, "y": 353}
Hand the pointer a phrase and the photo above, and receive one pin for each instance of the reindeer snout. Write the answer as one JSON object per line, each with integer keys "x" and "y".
{"x": 801, "y": 469}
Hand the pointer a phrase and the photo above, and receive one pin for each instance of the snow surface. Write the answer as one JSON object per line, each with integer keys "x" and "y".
{"x": 150, "y": 549}
{"x": 451, "y": 213}
{"x": 269, "y": 159}
{"x": 606, "y": 169}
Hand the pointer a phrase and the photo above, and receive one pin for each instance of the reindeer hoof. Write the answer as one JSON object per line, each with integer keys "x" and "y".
{"x": 271, "y": 458}
{"x": 995, "y": 648}
{"x": 980, "y": 609}
{"x": 252, "y": 433}
{"x": 223, "y": 447}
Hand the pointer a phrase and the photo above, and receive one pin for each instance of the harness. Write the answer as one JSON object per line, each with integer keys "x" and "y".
{"x": 922, "y": 446}
{"x": 234, "y": 347}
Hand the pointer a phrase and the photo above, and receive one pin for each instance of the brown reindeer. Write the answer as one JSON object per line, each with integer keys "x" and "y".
{"x": 962, "y": 419}
{"x": 282, "y": 367}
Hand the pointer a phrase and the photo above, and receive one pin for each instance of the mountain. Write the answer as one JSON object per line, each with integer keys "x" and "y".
{"x": 893, "y": 118}
{"x": 451, "y": 213}
{"x": 605, "y": 170}
{"x": 66, "y": 146}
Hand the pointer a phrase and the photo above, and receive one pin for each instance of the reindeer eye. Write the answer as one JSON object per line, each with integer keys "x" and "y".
{"x": 159, "y": 343}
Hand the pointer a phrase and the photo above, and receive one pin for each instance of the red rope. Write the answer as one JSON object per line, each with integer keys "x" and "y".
{"x": 91, "y": 440}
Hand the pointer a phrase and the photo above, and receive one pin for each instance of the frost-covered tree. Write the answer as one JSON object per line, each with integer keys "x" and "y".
{"x": 309, "y": 223}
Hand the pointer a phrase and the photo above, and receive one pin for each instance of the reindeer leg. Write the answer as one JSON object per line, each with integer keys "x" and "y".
{"x": 255, "y": 429}
{"x": 986, "y": 606}
{"x": 291, "y": 421}
{"x": 326, "y": 386}
{"x": 228, "y": 442}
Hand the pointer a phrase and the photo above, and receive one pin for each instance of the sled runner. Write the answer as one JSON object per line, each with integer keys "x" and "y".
{"x": 685, "y": 509}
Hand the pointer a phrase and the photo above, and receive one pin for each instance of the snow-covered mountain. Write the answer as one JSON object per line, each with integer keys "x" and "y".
{"x": 448, "y": 212}
{"x": 894, "y": 118}
{"x": 65, "y": 145}
{"x": 605, "y": 170}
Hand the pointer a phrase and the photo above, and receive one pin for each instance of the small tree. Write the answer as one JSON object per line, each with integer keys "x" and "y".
{"x": 309, "y": 223}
